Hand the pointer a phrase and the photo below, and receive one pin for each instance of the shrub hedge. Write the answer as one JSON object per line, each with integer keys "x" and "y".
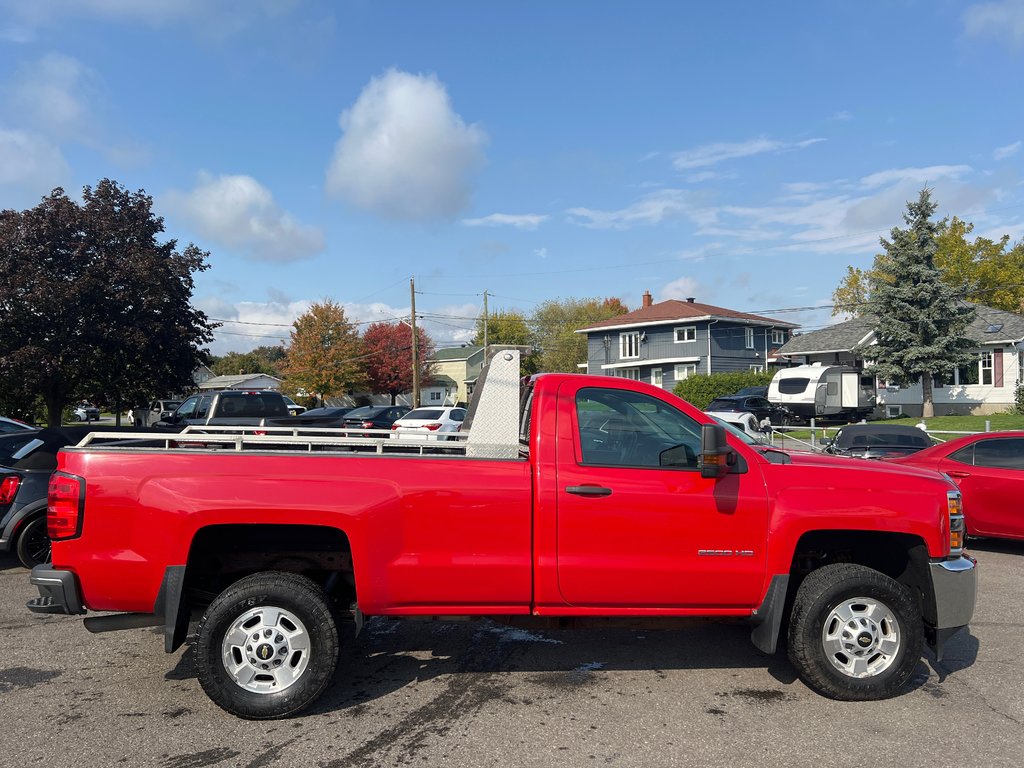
{"x": 701, "y": 390}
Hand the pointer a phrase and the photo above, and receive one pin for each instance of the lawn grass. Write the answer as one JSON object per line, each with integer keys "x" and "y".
{"x": 943, "y": 427}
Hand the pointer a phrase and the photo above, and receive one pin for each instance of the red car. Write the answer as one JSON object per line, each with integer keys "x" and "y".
{"x": 989, "y": 468}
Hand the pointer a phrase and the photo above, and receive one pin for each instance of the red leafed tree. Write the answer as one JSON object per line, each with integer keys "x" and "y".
{"x": 388, "y": 362}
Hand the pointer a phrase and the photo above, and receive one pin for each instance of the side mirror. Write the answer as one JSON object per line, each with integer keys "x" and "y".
{"x": 715, "y": 454}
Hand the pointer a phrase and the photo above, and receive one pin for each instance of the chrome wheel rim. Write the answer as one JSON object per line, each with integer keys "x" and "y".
{"x": 861, "y": 637}
{"x": 266, "y": 649}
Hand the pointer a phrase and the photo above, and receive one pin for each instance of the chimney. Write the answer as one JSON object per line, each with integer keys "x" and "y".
{"x": 648, "y": 301}
{"x": 690, "y": 299}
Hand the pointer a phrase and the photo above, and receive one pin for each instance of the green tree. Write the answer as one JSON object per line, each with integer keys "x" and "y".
{"x": 325, "y": 354}
{"x": 555, "y": 322}
{"x": 388, "y": 361}
{"x": 506, "y": 326}
{"x": 93, "y": 304}
{"x": 266, "y": 359}
{"x": 920, "y": 319}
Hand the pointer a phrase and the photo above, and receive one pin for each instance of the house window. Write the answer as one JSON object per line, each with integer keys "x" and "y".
{"x": 435, "y": 396}
{"x": 986, "y": 368}
{"x": 686, "y": 333}
{"x": 657, "y": 377}
{"x": 748, "y": 337}
{"x": 778, "y": 337}
{"x": 685, "y": 371}
{"x": 630, "y": 373}
{"x": 893, "y": 411}
{"x": 968, "y": 374}
{"x": 629, "y": 345}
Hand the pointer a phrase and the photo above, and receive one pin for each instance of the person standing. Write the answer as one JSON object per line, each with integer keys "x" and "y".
{"x": 140, "y": 415}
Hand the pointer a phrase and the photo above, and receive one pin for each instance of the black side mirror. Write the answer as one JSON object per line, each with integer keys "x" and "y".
{"x": 716, "y": 457}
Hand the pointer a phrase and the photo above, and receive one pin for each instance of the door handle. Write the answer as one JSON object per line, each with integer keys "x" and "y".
{"x": 588, "y": 490}
{"x": 957, "y": 473}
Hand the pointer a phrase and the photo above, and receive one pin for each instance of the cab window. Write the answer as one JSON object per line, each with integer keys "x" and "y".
{"x": 628, "y": 429}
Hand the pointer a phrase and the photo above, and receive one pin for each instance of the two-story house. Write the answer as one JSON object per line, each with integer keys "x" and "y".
{"x": 666, "y": 342}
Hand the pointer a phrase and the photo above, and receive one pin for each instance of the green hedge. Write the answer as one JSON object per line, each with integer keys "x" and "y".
{"x": 701, "y": 390}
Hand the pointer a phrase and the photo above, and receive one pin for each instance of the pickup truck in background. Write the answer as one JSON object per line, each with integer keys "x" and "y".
{"x": 228, "y": 407}
{"x": 571, "y": 497}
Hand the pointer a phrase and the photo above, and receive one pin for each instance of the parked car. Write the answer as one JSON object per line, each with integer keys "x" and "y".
{"x": 877, "y": 441}
{"x": 13, "y": 425}
{"x": 759, "y": 406}
{"x": 294, "y": 408}
{"x": 160, "y": 410}
{"x": 86, "y": 411}
{"x": 741, "y": 421}
{"x": 989, "y": 468}
{"x": 374, "y": 416}
{"x": 27, "y": 459}
{"x": 229, "y": 407}
{"x": 314, "y": 417}
{"x": 427, "y": 422}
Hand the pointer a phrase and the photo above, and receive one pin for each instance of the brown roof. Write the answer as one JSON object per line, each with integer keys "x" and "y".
{"x": 673, "y": 309}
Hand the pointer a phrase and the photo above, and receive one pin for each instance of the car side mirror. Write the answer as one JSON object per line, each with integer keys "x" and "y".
{"x": 716, "y": 457}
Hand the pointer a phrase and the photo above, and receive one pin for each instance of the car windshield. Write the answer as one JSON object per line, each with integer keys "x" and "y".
{"x": 720, "y": 404}
{"x": 424, "y": 413}
{"x": 883, "y": 438}
{"x": 17, "y": 445}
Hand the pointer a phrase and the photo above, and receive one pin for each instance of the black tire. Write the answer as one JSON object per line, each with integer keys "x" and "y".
{"x": 34, "y": 543}
{"x": 886, "y": 643}
{"x": 301, "y": 602}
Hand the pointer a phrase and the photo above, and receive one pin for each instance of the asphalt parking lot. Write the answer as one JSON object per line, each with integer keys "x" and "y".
{"x": 479, "y": 694}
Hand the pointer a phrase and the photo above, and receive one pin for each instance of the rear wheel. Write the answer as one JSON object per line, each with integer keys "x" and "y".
{"x": 268, "y": 646}
{"x": 34, "y": 543}
{"x": 854, "y": 633}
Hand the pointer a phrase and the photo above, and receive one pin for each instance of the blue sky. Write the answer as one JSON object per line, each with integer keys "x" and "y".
{"x": 744, "y": 154}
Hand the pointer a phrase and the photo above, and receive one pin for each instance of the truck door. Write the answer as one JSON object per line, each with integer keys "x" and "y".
{"x": 632, "y": 533}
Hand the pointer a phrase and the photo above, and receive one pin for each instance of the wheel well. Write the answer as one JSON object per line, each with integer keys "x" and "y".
{"x": 222, "y": 554}
{"x": 899, "y": 556}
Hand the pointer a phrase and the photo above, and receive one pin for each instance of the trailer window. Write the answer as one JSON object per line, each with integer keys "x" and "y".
{"x": 793, "y": 386}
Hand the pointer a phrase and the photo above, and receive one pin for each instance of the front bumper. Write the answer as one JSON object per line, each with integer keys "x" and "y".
{"x": 955, "y": 587}
{"x": 58, "y": 591}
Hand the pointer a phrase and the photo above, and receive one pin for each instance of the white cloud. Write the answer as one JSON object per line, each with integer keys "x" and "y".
{"x": 404, "y": 153}
{"x": 651, "y": 209}
{"x": 702, "y": 176}
{"x": 54, "y": 95}
{"x": 712, "y": 154}
{"x": 683, "y": 288}
{"x": 541, "y": 253}
{"x": 240, "y": 213}
{"x": 841, "y": 116}
{"x": 1001, "y": 153}
{"x": 917, "y": 175}
{"x": 519, "y": 221}
{"x": 30, "y": 164}
{"x": 1002, "y": 20}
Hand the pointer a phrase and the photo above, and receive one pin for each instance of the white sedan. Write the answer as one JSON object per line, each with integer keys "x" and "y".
{"x": 425, "y": 423}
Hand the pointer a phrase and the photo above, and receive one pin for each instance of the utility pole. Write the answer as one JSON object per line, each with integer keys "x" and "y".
{"x": 415, "y": 346}
{"x": 485, "y": 324}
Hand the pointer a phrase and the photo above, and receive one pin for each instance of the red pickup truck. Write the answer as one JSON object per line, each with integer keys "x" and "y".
{"x": 571, "y": 497}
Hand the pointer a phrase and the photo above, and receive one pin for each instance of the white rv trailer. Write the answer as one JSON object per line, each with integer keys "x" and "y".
{"x": 824, "y": 392}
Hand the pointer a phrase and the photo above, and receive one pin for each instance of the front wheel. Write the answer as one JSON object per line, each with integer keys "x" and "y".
{"x": 267, "y": 646}
{"x": 854, "y": 633}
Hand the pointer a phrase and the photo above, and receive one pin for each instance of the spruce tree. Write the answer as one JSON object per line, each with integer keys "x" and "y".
{"x": 920, "y": 319}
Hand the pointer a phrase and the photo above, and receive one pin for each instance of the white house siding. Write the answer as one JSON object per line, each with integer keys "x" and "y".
{"x": 961, "y": 399}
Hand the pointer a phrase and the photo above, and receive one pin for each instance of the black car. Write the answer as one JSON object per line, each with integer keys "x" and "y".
{"x": 27, "y": 459}
{"x": 757, "y": 391}
{"x": 759, "y": 406}
{"x": 878, "y": 441}
{"x": 320, "y": 417}
{"x": 374, "y": 416}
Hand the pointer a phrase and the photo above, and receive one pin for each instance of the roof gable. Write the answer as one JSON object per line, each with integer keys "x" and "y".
{"x": 674, "y": 310}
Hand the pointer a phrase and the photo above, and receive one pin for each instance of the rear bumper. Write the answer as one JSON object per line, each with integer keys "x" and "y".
{"x": 58, "y": 592}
